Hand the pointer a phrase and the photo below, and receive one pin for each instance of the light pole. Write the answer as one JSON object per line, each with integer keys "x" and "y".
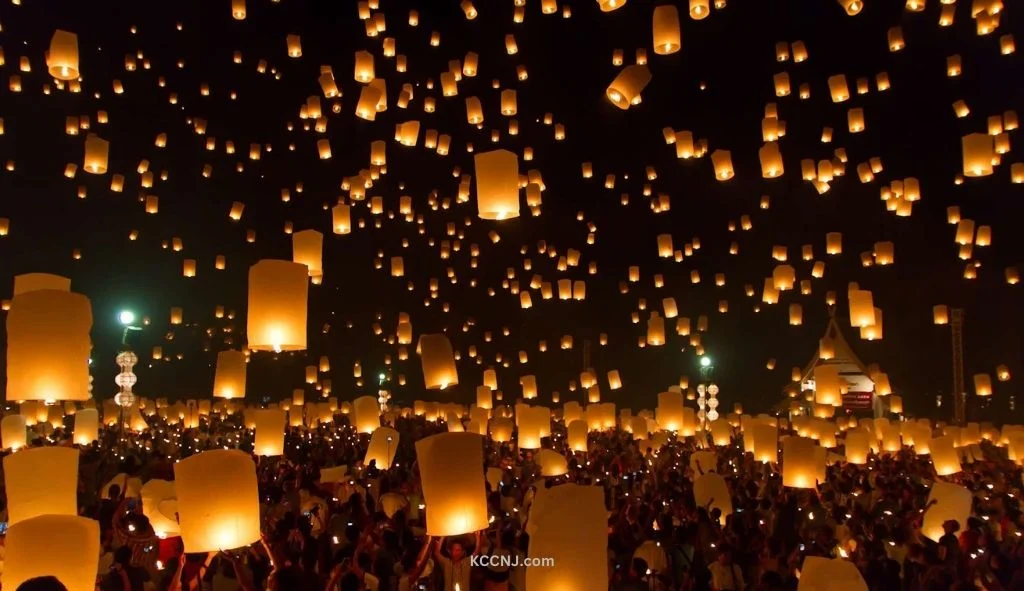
{"x": 126, "y": 360}
{"x": 710, "y": 402}
{"x": 383, "y": 396}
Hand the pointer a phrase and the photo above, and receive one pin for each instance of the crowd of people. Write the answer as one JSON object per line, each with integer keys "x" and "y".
{"x": 367, "y": 532}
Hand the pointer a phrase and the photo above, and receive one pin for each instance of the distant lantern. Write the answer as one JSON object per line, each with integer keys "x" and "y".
{"x": 838, "y": 88}
{"x": 294, "y": 43}
{"x": 307, "y": 249}
{"x": 474, "y": 110}
{"x": 238, "y": 10}
{"x": 667, "y": 38}
{"x": 34, "y": 551}
{"x": 62, "y": 58}
{"x": 229, "y": 379}
{"x": 655, "y": 330}
{"x": 699, "y": 9}
{"x": 341, "y": 219}
{"x": 771, "y": 160}
{"x": 278, "y": 293}
{"x": 453, "y": 483}
{"x": 497, "y": 184}
{"x": 48, "y": 346}
{"x": 855, "y": 120}
{"x": 852, "y": 7}
{"x": 982, "y": 384}
{"x": 97, "y": 151}
{"x": 626, "y": 88}
{"x": 978, "y": 154}
{"x": 940, "y": 314}
{"x": 438, "y": 361}
{"x": 218, "y": 500}
{"x": 722, "y": 162}
{"x": 41, "y": 481}
{"x": 365, "y": 414}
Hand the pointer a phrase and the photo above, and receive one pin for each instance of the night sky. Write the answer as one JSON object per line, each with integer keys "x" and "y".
{"x": 716, "y": 86}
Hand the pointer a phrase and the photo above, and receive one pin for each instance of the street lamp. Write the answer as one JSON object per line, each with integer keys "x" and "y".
{"x": 126, "y": 360}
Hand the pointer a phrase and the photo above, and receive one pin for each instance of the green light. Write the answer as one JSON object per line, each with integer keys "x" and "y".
{"x": 381, "y": 377}
{"x": 705, "y": 361}
{"x": 126, "y": 317}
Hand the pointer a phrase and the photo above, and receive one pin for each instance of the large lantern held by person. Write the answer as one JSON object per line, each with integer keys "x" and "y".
{"x": 277, "y": 306}
{"x": 568, "y": 525}
{"x": 269, "y": 428}
{"x": 453, "y": 483}
{"x": 497, "y": 184}
{"x": 218, "y": 500}
{"x": 48, "y": 346}
{"x": 799, "y": 463}
{"x": 382, "y": 448}
{"x": 41, "y": 481}
{"x": 61, "y": 546}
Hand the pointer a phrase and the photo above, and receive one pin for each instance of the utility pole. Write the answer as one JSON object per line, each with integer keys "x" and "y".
{"x": 586, "y": 354}
{"x": 959, "y": 394}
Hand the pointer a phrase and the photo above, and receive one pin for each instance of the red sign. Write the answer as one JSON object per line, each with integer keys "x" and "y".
{"x": 857, "y": 400}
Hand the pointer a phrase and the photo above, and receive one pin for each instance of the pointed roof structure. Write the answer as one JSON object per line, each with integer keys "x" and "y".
{"x": 851, "y": 369}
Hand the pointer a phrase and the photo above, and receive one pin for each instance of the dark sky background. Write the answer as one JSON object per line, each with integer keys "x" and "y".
{"x": 912, "y": 128}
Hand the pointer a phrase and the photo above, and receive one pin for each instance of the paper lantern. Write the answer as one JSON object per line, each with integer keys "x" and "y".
{"x": 667, "y": 38}
{"x": 366, "y": 107}
{"x": 529, "y": 385}
{"x": 952, "y": 502}
{"x": 551, "y": 463}
{"x": 364, "y": 69}
{"x": 365, "y": 414}
{"x": 160, "y": 506}
{"x": 97, "y": 152}
{"x": 771, "y": 160}
{"x": 655, "y": 330}
{"x": 61, "y": 546}
{"x": 852, "y": 7}
{"x": 36, "y": 281}
{"x": 497, "y": 184}
{"x": 382, "y": 448}
{"x": 700, "y": 9}
{"x": 873, "y": 332}
{"x": 307, "y": 249}
{"x": 438, "y": 362}
{"x": 818, "y": 574}
{"x": 294, "y": 43}
{"x": 978, "y": 154}
{"x": 862, "y": 309}
{"x": 229, "y": 379}
{"x": 13, "y": 432}
{"x": 277, "y": 306}
{"x": 238, "y": 10}
{"x": 722, "y": 162}
{"x": 41, "y": 481}
{"x": 827, "y": 385}
{"x": 669, "y": 412}
{"x": 944, "y": 455}
{"x": 568, "y": 525}
{"x": 87, "y": 423}
{"x": 576, "y": 437}
{"x": 269, "y": 425}
{"x": 626, "y": 88}
{"x": 453, "y": 483}
{"x": 799, "y": 463}
{"x": 710, "y": 490}
{"x": 62, "y": 59}
{"x": 48, "y": 346}
{"x": 858, "y": 445}
{"x": 765, "y": 442}
{"x": 218, "y": 500}
{"x": 982, "y": 384}
{"x": 501, "y": 430}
